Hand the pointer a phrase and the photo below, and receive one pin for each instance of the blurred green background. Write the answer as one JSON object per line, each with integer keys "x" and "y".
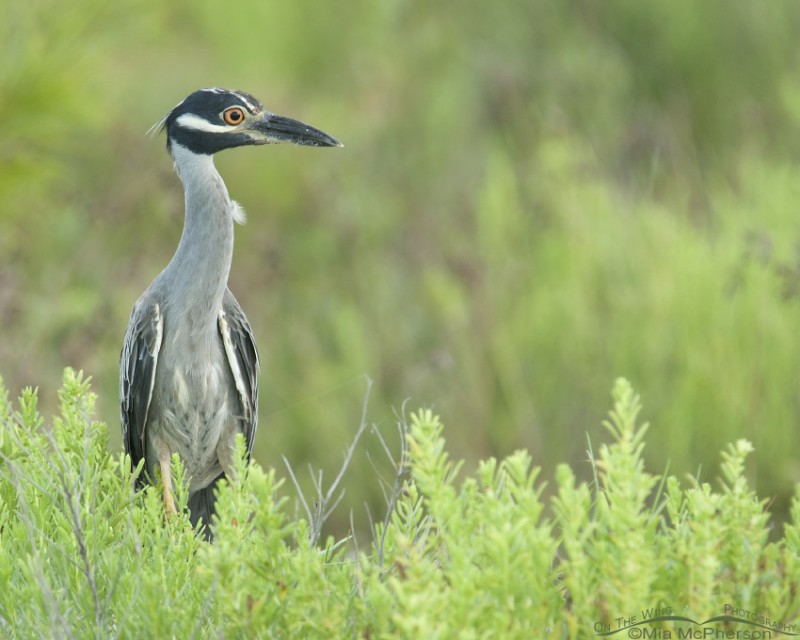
{"x": 534, "y": 198}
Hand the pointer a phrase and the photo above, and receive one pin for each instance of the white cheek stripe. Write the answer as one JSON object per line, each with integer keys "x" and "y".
{"x": 191, "y": 121}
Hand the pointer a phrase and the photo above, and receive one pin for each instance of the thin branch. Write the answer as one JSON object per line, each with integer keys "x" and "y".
{"x": 297, "y": 486}
{"x": 401, "y": 473}
{"x": 72, "y": 511}
{"x": 353, "y": 533}
{"x": 25, "y": 514}
{"x": 325, "y": 502}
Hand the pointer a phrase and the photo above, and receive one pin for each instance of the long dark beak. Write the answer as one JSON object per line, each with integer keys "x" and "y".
{"x": 274, "y": 129}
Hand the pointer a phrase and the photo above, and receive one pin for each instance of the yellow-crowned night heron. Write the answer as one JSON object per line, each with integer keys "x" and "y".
{"x": 189, "y": 364}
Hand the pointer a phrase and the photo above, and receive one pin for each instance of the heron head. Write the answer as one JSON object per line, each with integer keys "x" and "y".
{"x": 210, "y": 120}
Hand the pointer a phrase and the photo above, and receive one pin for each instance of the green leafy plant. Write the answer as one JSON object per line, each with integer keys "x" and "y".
{"x": 84, "y": 555}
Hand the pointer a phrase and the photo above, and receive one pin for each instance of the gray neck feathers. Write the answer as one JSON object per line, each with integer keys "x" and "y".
{"x": 198, "y": 272}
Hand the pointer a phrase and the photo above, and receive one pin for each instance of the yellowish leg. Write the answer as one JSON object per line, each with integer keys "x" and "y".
{"x": 166, "y": 480}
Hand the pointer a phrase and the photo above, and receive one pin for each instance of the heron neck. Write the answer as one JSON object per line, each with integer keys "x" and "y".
{"x": 200, "y": 267}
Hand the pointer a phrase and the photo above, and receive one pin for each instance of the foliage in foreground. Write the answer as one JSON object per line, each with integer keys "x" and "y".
{"x": 82, "y": 555}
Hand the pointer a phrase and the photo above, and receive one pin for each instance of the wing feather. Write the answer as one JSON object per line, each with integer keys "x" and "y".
{"x": 240, "y": 348}
{"x": 138, "y": 362}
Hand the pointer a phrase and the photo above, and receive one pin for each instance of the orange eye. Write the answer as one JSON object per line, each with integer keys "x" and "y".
{"x": 233, "y": 116}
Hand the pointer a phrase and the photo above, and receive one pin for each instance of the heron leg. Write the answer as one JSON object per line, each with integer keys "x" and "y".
{"x": 166, "y": 480}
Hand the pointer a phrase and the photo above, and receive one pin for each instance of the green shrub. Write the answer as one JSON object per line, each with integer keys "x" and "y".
{"x": 83, "y": 555}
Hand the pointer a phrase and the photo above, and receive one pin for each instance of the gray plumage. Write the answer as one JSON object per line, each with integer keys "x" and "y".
{"x": 189, "y": 364}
